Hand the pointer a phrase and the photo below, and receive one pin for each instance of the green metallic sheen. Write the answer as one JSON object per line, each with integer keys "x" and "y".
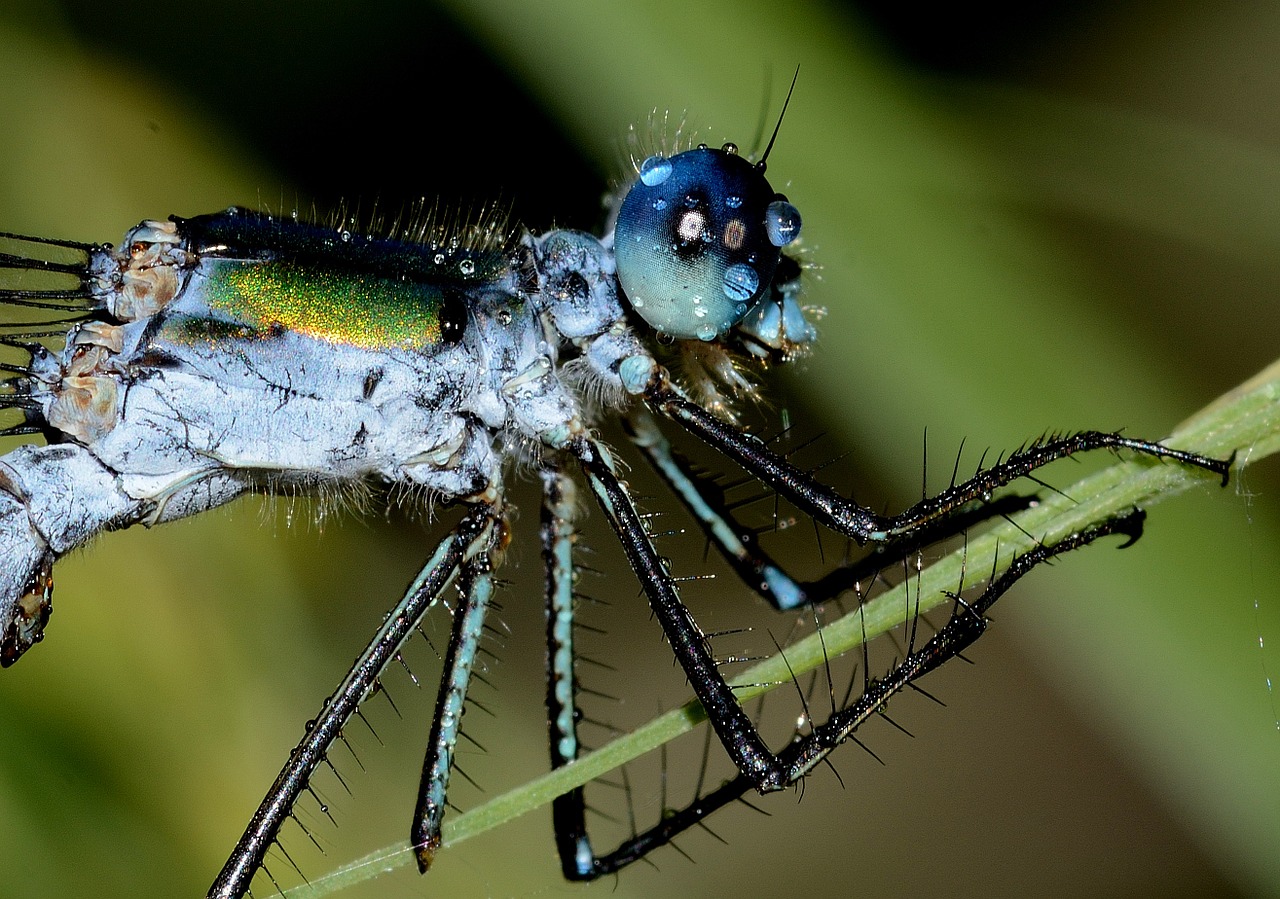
{"x": 358, "y": 310}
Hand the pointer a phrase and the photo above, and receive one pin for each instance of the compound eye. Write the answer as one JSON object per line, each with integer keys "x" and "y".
{"x": 697, "y": 240}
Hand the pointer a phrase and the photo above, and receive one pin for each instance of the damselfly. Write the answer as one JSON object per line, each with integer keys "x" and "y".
{"x": 214, "y": 356}
{"x": 992, "y": 263}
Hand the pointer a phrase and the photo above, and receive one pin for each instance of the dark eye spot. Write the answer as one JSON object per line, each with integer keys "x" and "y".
{"x": 453, "y": 317}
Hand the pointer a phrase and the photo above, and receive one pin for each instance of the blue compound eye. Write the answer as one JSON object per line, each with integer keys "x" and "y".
{"x": 697, "y": 240}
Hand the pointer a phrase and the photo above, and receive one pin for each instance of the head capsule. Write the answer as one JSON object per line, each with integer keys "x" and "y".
{"x": 697, "y": 240}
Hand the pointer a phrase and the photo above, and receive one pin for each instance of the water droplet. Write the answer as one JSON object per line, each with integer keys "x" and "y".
{"x": 733, "y": 201}
{"x": 467, "y": 267}
{"x": 655, "y": 170}
{"x": 659, "y": 204}
{"x": 740, "y": 282}
{"x": 706, "y": 332}
{"x": 699, "y": 311}
{"x": 346, "y": 236}
{"x": 438, "y": 258}
{"x": 781, "y": 223}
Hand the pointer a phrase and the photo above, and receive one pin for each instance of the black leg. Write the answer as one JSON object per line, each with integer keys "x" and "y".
{"x": 741, "y": 740}
{"x": 731, "y": 723}
{"x": 966, "y": 625}
{"x": 862, "y": 524}
{"x": 473, "y": 536}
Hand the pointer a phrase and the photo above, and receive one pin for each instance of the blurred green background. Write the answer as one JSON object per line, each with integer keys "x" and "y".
{"x": 1064, "y": 220}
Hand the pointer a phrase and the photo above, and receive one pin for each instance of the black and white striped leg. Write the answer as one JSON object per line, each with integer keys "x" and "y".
{"x": 475, "y": 592}
{"x": 741, "y": 548}
{"x": 568, "y": 811}
{"x": 737, "y": 544}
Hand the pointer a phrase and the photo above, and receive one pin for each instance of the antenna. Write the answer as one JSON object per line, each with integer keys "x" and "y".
{"x": 769, "y": 149}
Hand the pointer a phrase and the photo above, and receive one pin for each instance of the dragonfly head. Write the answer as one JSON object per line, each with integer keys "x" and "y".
{"x": 698, "y": 239}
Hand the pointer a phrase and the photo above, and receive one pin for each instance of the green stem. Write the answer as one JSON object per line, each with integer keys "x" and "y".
{"x": 1245, "y": 421}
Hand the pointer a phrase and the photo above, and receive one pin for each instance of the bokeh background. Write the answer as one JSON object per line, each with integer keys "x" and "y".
{"x": 1064, "y": 219}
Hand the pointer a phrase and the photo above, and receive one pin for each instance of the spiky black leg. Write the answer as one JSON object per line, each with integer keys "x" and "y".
{"x": 862, "y": 524}
{"x": 731, "y": 723}
{"x": 968, "y": 622}
{"x": 966, "y": 625}
{"x": 735, "y": 729}
{"x": 473, "y": 536}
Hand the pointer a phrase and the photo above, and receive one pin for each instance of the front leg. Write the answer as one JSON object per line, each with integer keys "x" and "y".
{"x": 861, "y": 524}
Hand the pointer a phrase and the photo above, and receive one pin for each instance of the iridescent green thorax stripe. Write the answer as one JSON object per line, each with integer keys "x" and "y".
{"x": 357, "y": 309}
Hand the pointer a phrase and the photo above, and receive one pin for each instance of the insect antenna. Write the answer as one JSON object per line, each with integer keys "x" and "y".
{"x": 776, "y": 128}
